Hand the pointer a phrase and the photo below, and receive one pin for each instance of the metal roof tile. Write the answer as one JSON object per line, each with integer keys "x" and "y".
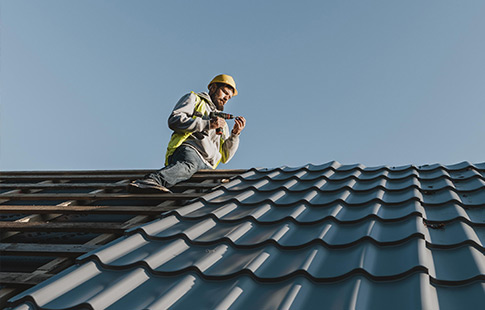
{"x": 436, "y": 184}
{"x": 332, "y": 235}
{"x": 320, "y": 262}
{"x": 304, "y": 212}
{"x": 250, "y": 232}
{"x": 479, "y": 166}
{"x": 470, "y": 184}
{"x": 434, "y": 174}
{"x": 140, "y": 289}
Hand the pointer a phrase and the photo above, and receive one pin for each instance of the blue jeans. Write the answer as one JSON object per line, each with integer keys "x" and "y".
{"x": 183, "y": 163}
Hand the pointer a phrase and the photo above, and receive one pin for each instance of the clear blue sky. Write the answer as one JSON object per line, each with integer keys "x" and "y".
{"x": 90, "y": 84}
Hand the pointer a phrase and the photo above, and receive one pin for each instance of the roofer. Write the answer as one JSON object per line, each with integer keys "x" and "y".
{"x": 197, "y": 142}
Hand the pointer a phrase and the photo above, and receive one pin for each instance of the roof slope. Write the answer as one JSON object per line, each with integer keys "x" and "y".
{"x": 49, "y": 218}
{"x": 330, "y": 236}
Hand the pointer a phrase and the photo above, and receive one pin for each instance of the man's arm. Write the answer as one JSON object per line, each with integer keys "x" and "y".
{"x": 181, "y": 120}
{"x": 240, "y": 123}
{"x": 230, "y": 145}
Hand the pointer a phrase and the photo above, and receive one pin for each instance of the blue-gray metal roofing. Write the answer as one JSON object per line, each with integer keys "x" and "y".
{"x": 328, "y": 237}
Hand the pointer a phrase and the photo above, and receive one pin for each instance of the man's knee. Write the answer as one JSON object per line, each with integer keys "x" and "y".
{"x": 190, "y": 166}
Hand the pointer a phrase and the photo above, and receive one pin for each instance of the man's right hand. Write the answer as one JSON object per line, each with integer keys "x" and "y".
{"x": 217, "y": 122}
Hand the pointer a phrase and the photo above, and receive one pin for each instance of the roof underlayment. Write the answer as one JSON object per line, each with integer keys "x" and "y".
{"x": 326, "y": 236}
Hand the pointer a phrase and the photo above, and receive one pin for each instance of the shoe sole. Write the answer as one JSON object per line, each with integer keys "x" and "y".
{"x": 146, "y": 189}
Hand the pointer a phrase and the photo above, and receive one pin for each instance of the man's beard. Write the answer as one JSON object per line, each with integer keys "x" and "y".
{"x": 220, "y": 107}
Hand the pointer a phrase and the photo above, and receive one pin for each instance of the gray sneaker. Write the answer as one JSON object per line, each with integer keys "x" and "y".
{"x": 147, "y": 186}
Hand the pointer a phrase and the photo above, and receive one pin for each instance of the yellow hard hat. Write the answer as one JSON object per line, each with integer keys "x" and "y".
{"x": 225, "y": 79}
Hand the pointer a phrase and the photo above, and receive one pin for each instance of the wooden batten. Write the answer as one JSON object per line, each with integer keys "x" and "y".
{"x": 25, "y": 197}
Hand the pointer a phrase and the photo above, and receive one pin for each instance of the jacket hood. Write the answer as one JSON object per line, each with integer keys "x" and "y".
{"x": 206, "y": 96}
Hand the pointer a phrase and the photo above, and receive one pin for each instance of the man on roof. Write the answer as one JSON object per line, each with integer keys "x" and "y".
{"x": 197, "y": 142}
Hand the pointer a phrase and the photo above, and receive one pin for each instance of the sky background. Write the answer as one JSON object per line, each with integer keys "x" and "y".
{"x": 90, "y": 84}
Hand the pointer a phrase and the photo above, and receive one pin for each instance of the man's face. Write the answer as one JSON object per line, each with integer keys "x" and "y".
{"x": 220, "y": 95}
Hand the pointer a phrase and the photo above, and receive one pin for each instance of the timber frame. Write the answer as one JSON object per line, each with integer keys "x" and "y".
{"x": 49, "y": 218}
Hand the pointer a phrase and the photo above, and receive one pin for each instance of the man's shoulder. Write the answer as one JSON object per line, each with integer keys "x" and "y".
{"x": 191, "y": 97}
{"x": 202, "y": 95}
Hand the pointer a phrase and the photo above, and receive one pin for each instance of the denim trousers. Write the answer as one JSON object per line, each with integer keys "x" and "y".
{"x": 183, "y": 163}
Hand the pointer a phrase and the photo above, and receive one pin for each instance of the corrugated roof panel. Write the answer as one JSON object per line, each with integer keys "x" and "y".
{"x": 271, "y": 261}
{"x": 289, "y": 233}
{"x": 136, "y": 288}
{"x": 330, "y": 236}
{"x": 307, "y": 213}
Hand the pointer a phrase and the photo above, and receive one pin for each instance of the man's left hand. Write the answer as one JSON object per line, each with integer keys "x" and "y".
{"x": 240, "y": 123}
